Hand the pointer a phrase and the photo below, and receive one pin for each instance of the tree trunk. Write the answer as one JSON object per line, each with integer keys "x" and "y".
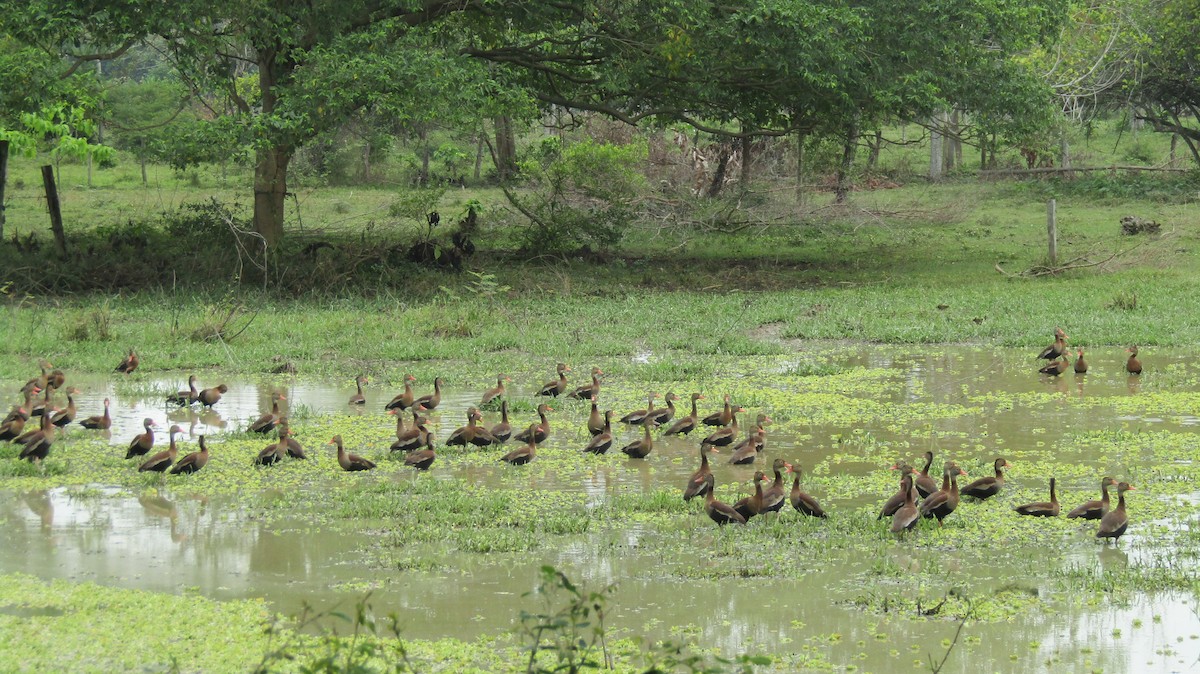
{"x": 270, "y": 190}
{"x": 876, "y": 146}
{"x": 843, "y": 173}
{"x": 800, "y": 138}
{"x": 3, "y": 181}
{"x": 366, "y": 158}
{"x": 935, "y": 148}
{"x": 745, "y": 177}
{"x": 718, "y": 181}
{"x": 1064, "y": 149}
{"x": 948, "y": 155}
{"x": 423, "y": 139}
{"x": 1174, "y": 144}
{"x": 478, "y": 156}
{"x": 56, "y": 223}
{"x": 506, "y": 149}
{"x": 142, "y": 162}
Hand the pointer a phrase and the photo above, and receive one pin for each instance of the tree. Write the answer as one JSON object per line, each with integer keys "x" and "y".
{"x": 1168, "y": 92}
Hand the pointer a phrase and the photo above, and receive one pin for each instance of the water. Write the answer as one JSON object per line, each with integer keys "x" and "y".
{"x": 169, "y": 542}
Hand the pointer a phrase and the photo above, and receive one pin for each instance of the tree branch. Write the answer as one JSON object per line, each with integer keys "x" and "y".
{"x": 106, "y": 56}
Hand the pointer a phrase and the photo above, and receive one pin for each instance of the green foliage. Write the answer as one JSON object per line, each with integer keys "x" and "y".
{"x": 581, "y": 195}
{"x": 573, "y": 632}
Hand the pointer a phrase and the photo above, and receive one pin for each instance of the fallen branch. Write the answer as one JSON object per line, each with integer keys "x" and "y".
{"x": 1080, "y": 262}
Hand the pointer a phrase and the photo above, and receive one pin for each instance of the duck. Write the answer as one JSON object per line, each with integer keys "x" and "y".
{"x": 724, "y": 436}
{"x": 1057, "y": 367}
{"x": 422, "y": 459}
{"x": 524, "y": 454}
{"x": 686, "y": 424}
{"x": 160, "y": 462}
{"x": 591, "y": 390}
{"x": 211, "y": 396}
{"x": 802, "y": 501}
{"x": 721, "y": 513}
{"x": 67, "y": 414}
{"x": 291, "y": 446}
{"x": 1056, "y": 349}
{"x": 143, "y": 442}
{"x": 1041, "y": 509}
{"x": 640, "y": 449}
{"x": 493, "y": 393}
{"x": 944, "y": 501}
{"x": 56, "y": 379}
{"x": 748, "y": 449}
{"x": 128, "y": 364}
{"x": 907, "y": 515}
{"x": 358, "y": 398}
{"x": 185, "y": 398}
{"x": 15, "y": 425}
{"x": 349, "y": 462}
{"x": 101, "y": 422}
{"x": 555, "y": 387}
{"x": 39, "y": 408}
{"x": 637, "y": 417}
{"x": 986, "y": 487}
{"x": 721, "y": 418}
{"x": 601, "y": 443}
{"x": 37, "y": 443}
{"x": 773, "y": 497}
{"x": 267, "y": 422}
{"x": 1116, "y": 521}
{"x": 464, "y": 435}
{"x": 922, "y": 481}
{"x": 896, "y": 501}
{"x": 699, "y": 481}
{"x": 414, "y": 437}
{"x": 543, "y": 427}
{"x": 1081, "y": 366}
{"x": 595, "y": 422}
{"x": 434, "y": 399}
{"x": 194, "y": 462}
{"x": 1095, "y": 509}
{"x": 271, "y": 454}
{"x": 1133, "y": 365}
{"x": 664, "y": 415}
{"x": 750, "y": 506}
{"x": 403, "y": 400}
{"x": 502, "y": 431}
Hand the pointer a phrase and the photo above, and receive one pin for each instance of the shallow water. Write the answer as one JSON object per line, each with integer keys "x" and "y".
{"x": 170, "y": 543}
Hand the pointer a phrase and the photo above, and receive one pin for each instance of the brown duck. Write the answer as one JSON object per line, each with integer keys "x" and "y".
{"x": 721, "y": 418}
{"x": 591, "y": 390}
{"x": 556, "y": 387}
{"x": 269, "y": 420}
{"x": 349, "y": 462}
{"x": 721, "y": 513}
{"x": 748, "y": 449}
{"x": 160, "y": 462}
{"x": 640, "y": 449}
{"x": 271, "y": 454}
{"x": 15, "y": 426}
{"x": 1133, "y": 365}
{"x": 291, "y": 445}
{"x": 37, "y": 443}
{"x": 907, "y": 515}
{"x": 1057, "y": 349}
{"x": 1081, "y": 366}
{"x": 944, "y": 501}
{"x": 686, "y": 424}
{"x": 524, "y": 454}
{"x": 543, "y": 427}
{"x": 143, "y": 442}
{"x": 1043, "y": 508}
{"x": 211, "y": 396}
{"x": 434, "y": 399}
{"x": 601, "y": 443}
{"x": 496, "y": 392}
{"x": 67, "y": 414}
{"x": 502, "y": 431}
{"x": 595, "y": 422}
{"x": 403, "y": 400}
{"x": 1116, "y": 521}
{"x": 128, "y": 364}
{"x": 724, "y": 436}
{"x": 986, "y": 487}
{"x": 896, "y": 501}
{"x": 922, "y": 481}
{"x": 803, "y": 502}
{"x": 101, "y": 422}
{"x": 1095, "y": 509}
{"x": 194, "y": 462}
{"x": 773, "y": 496}
{"x": 700, "y": 480}
{"x": 637, "y": 417}
{"x": 752, "y": 505}
{"x": 185, "y": 398}
{"x": 1057, "y": 367}
{"x": 422, "y": 459}
{"x": 664, "y": 415}
{"x": 464, "y": 435}
{"x": 358, "y": 398}
{"x": 414, "y": 437}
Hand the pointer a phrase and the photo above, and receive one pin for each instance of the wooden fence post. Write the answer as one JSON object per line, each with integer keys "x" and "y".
{"x": 56, "y": 225}
{"x": 1052, "y": 229}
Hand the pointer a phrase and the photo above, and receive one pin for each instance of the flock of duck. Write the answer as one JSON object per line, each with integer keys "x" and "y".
{"x": 918, "y": 497}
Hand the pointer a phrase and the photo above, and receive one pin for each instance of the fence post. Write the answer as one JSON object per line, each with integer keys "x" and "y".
{"x": 1052, "y": 229}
